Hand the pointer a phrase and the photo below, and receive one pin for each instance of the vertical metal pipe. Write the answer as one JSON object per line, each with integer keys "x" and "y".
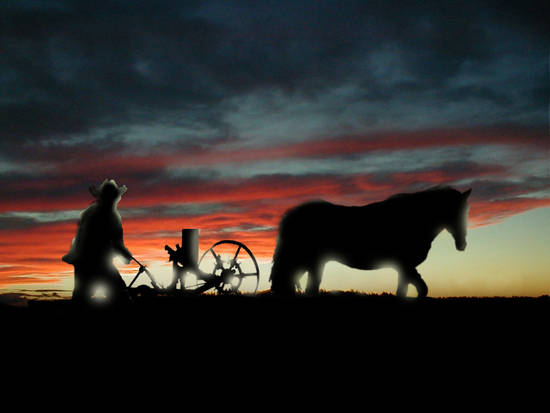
{"x": 190, "y": 245}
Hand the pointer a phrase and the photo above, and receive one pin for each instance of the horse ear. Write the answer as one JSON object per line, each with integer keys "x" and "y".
{"x": 467, "y": 193}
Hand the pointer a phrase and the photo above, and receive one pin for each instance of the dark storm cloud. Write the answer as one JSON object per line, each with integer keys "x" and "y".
{"x": 84, "y": 66}
{"x": 71, "y": 69}
{"x": 508, "y": 189}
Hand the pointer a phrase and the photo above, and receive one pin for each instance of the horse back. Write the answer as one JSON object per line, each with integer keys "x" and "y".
{"x": 359, "y": 236}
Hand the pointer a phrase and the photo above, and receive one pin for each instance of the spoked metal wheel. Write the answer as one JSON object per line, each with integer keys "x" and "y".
{"x": 234, "y": 264}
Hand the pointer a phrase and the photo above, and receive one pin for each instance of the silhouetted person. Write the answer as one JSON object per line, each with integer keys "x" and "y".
{"x": 98, "y": 239}
{"x": 397, "y": 232}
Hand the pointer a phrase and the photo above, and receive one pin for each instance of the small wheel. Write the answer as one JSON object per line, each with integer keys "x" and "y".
{"x": 234, "y": 264}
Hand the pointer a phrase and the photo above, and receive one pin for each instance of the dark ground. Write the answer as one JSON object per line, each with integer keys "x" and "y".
{"x": 343, "y": 314}
{"x": 272, "y": 348}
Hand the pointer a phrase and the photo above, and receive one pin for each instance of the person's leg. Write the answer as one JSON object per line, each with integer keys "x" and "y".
{"x": 118, "y": 292}
{"x": 81, "y": 290}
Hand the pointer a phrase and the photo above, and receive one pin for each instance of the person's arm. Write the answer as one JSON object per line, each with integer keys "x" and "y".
{"x": 118, "y": 243}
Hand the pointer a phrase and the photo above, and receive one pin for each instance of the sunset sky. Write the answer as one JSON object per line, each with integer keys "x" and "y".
{"x": 220, "y": 115}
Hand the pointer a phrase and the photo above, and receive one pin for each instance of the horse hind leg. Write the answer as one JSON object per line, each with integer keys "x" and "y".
{"x": 402, "y": 285}
{"x": 282, "y": 278}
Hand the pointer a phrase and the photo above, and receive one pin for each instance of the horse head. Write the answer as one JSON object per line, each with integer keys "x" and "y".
{"x": 457, "y": 223}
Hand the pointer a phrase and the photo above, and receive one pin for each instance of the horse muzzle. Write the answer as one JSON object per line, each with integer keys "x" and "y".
{"x": 461, "y": 246}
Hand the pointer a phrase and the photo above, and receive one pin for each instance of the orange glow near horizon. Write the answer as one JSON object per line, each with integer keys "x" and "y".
{"x": 245, "y": 209}
{"x": 32, "y": 256}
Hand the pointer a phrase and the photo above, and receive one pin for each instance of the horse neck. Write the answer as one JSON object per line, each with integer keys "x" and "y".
{"x": 432, "y": 220}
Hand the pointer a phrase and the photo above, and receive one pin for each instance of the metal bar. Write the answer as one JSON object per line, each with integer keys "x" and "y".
{"x": 153, "y": 281}
{"x": 142, "y": 268}
{"x": 139, "y": 263}
{"x": 219, "y": 262}
{"x": 206, "y": 286}
{"x": 135, "y": 278}
{"x": 237, "y": 253}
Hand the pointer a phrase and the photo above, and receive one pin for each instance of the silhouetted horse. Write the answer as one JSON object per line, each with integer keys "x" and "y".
{"x": 98, "y": 238}
{"x": 396, "y": 232}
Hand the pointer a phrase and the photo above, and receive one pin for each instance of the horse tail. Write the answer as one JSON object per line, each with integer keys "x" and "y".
{"x": 279, "y": 278}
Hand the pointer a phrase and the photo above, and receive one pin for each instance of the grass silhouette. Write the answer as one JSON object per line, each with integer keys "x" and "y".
{"x": 257, "y": 332}
{"x": 329, "y": 309}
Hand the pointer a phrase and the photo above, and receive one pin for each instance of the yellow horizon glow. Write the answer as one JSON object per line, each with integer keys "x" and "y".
{"x": 508, "y": 259}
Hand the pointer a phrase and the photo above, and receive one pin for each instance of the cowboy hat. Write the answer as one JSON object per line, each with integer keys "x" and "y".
{"x": 108, "y": 188}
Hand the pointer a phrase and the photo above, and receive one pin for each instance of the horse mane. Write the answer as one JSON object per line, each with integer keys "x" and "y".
{"x": 436, "y": 191}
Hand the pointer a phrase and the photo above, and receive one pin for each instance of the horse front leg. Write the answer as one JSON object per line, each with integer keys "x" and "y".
{"x": 419, "y": 283}
{"x": 411, "y": 276}
{"x": 315, "y": 273}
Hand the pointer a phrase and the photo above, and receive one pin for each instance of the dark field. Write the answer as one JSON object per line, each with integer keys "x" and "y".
{"x": 266, "y": 338}
{"x": 343, "y": 313}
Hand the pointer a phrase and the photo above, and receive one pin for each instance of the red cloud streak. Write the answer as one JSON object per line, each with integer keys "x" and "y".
{"x": 33, "y": 254}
